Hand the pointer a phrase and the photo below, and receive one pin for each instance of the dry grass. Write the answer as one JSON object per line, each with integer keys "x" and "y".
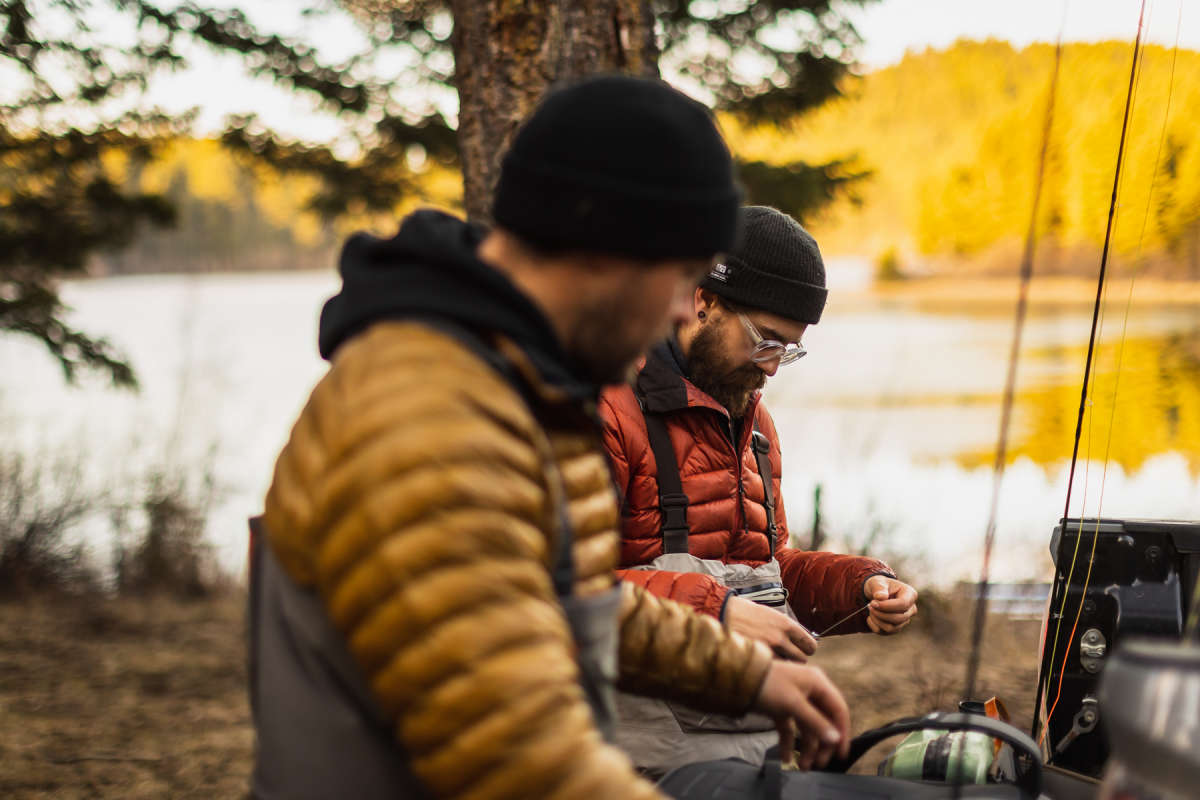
{"x": 145, "y": 698}
{"x": 924, "y": 668}
{"x": 123, "y": 698}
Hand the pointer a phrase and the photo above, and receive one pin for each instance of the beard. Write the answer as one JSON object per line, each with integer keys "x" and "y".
{"x": 606, "y": 353}
{"x": 732, "y": 388}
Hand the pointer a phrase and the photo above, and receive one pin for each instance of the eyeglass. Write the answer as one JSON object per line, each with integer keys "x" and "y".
{"x": 771, "y": 349}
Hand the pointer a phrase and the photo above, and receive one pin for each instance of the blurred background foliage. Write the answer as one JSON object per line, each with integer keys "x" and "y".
{"x": 950, "y": 139}
{"x": 82, "y": 161}
{"x": 948, "y": 165}
{"x": 234, "y": 212}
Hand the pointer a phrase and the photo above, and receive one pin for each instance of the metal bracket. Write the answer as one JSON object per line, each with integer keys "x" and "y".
{"x": 1092, "y": 649}
{"x": 1085, "y": 722}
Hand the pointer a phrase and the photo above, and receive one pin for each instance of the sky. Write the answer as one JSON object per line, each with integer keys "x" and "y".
{"x": 218, "y": 86}
{"x": 893, "y": 26}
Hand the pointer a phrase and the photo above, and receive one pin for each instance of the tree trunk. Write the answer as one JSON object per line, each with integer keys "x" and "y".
{"x": 508, "y": 52}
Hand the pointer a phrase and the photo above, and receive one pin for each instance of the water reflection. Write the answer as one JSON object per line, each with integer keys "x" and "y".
{"x": 893, "y": 413}
{"x": 1150, "y": 406}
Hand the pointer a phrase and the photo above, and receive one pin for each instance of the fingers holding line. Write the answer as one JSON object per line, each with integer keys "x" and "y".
{"x": 803, "y": 639}
{"x": 894, "y": 604}
{"x": 787, "y": 648}
{"x": 885, "y": 628}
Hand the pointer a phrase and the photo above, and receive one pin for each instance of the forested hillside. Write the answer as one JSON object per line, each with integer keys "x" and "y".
{"x": 951, "y": 140}
{"x": 234, "y": 214}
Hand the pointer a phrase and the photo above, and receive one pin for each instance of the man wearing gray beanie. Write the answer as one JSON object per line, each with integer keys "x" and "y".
{"x": 696, "y": 457}
{"x": 434, "y": 610}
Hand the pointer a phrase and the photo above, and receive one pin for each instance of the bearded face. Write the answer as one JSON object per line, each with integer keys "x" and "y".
{"x": 625, "y": 309}
{"x": 719, "y": 367}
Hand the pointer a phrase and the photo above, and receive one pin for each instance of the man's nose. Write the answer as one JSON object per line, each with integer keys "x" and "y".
{"x": 768, "y": 367}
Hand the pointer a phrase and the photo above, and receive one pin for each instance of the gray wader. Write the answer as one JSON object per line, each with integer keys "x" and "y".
{"x": 661, "y": 735}
{"x": 321, "y": 733}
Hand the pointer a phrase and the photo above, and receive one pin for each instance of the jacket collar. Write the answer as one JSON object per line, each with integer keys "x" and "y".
{"x": 430, "y": 270}
{"x": 662, "y": 385}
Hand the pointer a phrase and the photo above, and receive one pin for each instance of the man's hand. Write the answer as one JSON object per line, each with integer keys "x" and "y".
{"x": 893, "y": 604}
{"x": 809, "y": 711}
{"x": 777, "y": 631}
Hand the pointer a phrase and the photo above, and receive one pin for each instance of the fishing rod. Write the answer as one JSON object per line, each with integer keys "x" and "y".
{"x": 1087, "y": 376}
{"x": 1191, "y": 630}
{"x": 1026, "y": 273}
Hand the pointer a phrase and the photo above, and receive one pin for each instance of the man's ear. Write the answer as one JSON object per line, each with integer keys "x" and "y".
{"x": 705, "y": 300}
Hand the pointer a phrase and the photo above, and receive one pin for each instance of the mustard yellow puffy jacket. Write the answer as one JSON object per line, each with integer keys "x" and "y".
{"x": 415, "y": 497}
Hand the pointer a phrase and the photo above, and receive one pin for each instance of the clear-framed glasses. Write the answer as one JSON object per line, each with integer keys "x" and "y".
{"x": 771, "y": 349}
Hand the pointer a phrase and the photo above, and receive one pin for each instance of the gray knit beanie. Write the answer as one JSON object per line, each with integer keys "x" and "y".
{"x": 776, "y": 267}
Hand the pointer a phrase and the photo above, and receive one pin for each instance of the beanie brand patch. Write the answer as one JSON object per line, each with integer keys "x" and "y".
{"x": 776, "y": 267}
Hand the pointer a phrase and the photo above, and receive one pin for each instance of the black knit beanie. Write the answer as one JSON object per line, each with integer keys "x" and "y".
{"x": 620, "y": 165}
{"x": 775, "y": 267}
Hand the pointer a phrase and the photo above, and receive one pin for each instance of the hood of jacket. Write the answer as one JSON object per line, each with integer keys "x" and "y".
{"x": 430, "y": 270}
{"x": 664, "y": 387}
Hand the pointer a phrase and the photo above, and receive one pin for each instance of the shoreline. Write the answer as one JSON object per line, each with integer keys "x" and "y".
{"x": 1054, "y": 290}
{"x": 970, "y": 289}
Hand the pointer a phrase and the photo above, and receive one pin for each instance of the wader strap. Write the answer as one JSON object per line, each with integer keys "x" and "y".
{"x": 562, "y": 572}
{"x": 254, "y": 593}
{"x": 672, "y": 502}
{"x": 762, "y": 452}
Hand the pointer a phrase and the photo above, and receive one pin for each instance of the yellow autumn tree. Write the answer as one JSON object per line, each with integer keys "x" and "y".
{"x": 951, "y": 139}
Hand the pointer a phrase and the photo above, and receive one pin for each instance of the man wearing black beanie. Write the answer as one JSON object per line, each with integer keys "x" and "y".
{"x": 434, "y": 610}
{"x": 696, "y": 457}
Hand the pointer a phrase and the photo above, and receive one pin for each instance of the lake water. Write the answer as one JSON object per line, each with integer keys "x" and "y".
{"x": 894, "y": 412}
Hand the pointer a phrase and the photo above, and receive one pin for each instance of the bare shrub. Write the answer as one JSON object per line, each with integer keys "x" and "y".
{"x": 941, "y": 614}
{"x": 934, "y": 687}
{"x": 41, "y": 503}
{"x": 160, "y": 544}
{"x": 47, "y": 509}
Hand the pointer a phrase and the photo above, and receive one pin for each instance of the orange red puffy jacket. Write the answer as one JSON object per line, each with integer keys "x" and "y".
{"x": 726, "y": 515}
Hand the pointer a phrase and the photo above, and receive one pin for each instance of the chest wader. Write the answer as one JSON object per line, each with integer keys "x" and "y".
{"x": 661, "y": 735}
{"x": 321, "y": 733}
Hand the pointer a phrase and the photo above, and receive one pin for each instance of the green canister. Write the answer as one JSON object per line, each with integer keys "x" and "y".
{"x": 938, "y": 755}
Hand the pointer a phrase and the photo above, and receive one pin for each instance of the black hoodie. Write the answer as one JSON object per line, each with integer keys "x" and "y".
{"x": 430, "y": 270}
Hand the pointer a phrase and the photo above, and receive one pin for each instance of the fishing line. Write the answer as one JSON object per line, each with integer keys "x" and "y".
{"x": 1116, "y": 386}
{"x": 1140, "y": 61}
{"x": 1087, "y": 464}
{"x": 1138, "y": 262}
{"x": 1089, "y": 378}
{"x": 846, "y": 618}
{"x": 1192, "y": 629}
{"x": 1138, "y": 265}
{"x": 1010, "y": 383}
{"x": 1038, "y": 698}
{"x": 1112, "y": 208}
